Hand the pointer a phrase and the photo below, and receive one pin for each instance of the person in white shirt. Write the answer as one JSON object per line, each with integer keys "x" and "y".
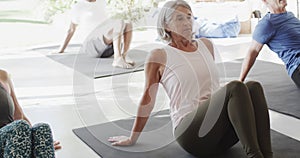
{"x": 207, "y": 119}
{"x": 113, "y": 40}
{"x": 87, "y": 14}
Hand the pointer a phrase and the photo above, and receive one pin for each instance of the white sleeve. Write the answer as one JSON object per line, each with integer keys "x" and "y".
{"x": 76, "y": 13}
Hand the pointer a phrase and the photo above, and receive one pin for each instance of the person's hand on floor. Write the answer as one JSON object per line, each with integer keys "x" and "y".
{"x": 120, "y": 141}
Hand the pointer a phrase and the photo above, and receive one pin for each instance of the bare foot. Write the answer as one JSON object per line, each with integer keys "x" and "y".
{"x": 61, "y": 51}
{"x": 56, "y": 145}
{"x": 129, "y": 60}
{"x": 120, "y": 62}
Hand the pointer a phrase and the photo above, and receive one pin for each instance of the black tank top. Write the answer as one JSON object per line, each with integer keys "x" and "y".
{"x": 6, "y": 107}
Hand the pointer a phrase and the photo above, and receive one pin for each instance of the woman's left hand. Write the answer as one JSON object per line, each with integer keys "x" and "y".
{"x": 120, "y": 141}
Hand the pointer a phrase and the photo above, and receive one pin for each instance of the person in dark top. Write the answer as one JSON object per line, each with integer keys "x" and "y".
{"x": 18, "y": 138}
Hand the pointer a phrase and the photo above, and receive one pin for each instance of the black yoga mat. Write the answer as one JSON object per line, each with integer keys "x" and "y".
{"x": 157, "y": 141}
{"x": 281, "y": 93}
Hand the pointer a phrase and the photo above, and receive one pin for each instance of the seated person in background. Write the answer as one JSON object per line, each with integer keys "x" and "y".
{"x": 187, "y": 71}
{"x": 112, "y": 40}
{"x": 280, "y": 30}
{"x": 17, "y": 137}
{"x": 87, "y": 15}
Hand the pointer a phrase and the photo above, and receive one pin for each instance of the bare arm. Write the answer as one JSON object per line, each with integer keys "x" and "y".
{"x": 153, "y": 71}
{"x": 19, "y": 114}
{"x": 7, "y": 83}
{"x": 248, "y": 62}
{"x": 70, "y": 34}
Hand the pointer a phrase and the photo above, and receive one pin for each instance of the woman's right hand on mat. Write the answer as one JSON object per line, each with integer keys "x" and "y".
{"x": 120, "y": 141}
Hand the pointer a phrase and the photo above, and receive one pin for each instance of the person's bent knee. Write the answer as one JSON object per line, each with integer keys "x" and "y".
{"x": 4, "y": 75}
{"x": 41, "y": 131}
{"x": 235, "y": 84}
{"x": 254, "y": 85}
{"x": 41, "y": 127}
{"x": 21, "y": 125}
{"x": 235, "y": 87}
{"x": 128, "y": 27}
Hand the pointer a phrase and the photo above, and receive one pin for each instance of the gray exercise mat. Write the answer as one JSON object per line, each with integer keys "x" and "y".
{"x": 281, "y": 93}
{"x": 99, "y": 67}
{"x": 157, "y": 141}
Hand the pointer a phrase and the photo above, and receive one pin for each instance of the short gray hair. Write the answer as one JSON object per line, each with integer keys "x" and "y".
{"x": 165, "y": 16}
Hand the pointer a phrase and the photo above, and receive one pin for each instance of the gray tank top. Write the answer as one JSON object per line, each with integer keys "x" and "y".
{"x": 6, "y": 107}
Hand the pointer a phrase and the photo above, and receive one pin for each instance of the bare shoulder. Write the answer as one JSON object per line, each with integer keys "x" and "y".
{"x": 3, "y": 75}
{"x": 207, "y": 42}
{"x": 209, "y": 45}
{"x": 155, "y": 63}
{"x": 157, "y": 56}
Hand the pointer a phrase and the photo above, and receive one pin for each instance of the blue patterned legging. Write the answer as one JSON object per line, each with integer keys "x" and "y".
{"x": 19, "y": 140}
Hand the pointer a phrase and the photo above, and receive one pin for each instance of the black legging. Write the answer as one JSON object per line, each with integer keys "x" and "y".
{"x": 243, "y": 116}
{"x": 108, "y": 52}
{"x": 296, "y": 76}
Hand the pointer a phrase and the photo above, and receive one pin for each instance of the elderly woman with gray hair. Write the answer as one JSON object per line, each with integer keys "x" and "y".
{"x": 207, "y": 119}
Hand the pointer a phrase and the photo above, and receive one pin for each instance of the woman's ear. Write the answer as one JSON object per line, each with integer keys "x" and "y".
{"x": 167, "y": 28}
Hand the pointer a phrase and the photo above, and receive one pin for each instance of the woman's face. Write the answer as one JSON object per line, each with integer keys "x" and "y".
{"x": 181, "y": 23}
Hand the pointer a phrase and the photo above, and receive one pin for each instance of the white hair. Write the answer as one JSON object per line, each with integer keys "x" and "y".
{"x": 165, "y": 16}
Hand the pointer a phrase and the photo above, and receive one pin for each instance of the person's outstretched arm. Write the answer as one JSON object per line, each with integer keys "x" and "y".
{"x": 248, "y": 62}
{"x": 70, "y": 34}
{"x": 152, "y": 75}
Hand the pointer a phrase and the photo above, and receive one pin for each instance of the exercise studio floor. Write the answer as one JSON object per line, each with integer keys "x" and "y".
{"x": 54, "y": 93}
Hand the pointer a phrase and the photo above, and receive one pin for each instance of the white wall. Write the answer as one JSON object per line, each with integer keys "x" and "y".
{"x": 258, "y": 5}
{"x": 292, "y": 6}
